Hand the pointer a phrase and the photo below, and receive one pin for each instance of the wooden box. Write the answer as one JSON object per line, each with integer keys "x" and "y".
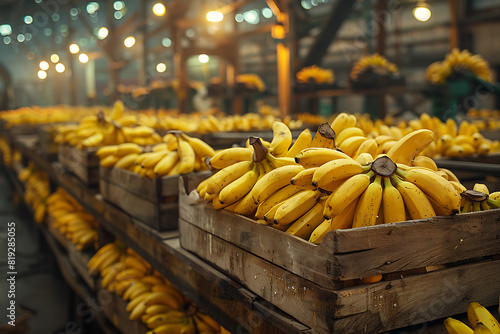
{"x": 46, "y": 144}
{"x": 152, "y": 201}
{"x": 307, "y": 280}
{"x": 83, "y": 163}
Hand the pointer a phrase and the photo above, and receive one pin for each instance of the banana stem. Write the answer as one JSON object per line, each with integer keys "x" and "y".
{"x": 484, "y": 206}
{"x": 467, "y": 207}
{"x": 401, "y": 173}
{"x": 387, "y": 182}
{"x": 260, "y": 151}
{"x": 366, "y": 168}
{"x": 476, "y": 206}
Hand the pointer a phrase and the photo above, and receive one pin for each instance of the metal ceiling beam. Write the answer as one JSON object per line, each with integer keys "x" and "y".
{"x": 339, "y": 13}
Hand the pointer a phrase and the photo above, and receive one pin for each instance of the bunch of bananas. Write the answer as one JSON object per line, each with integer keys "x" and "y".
{"x": 376, "y": 63}
{"x": 251, "y": 81}
{"x": 178, "y": 154}
{"x": 479, "y": 199}
{"x": 450, "y": 139}
{"x": 6, "y": 152}
{"x": 152, "y": 299}
{"x": 42, "y": 115}
{"x": 458, "y": 62}
{"x": 481, "y": 320}
{"x": 484, "y": 113}
{"x": 72, "y": 220}
{"x": 315, "y": 74}
{"x": 36, "y": 190}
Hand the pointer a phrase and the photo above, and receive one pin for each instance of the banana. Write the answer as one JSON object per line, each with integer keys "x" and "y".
{"x": 351, "y": 145}
{"x": 166, "y": 164}
{"x": 408, "y": 147}
{"x": 172, "y": 316}
{"x": 227, "y": 175}
{"x": 246, "y": 206}
{"x": 282, "y": 139}
{"x": 128, "y": 274}
{"x": 137, "y": 300}
{"x": 457, "y": 327}
{"x": 273, "y": 181}
{"x": 302, "y": 142}
{"x": 126, "y": 161}
{"x": 128, "y": 148}
{"x": 104, "y": 151}
{"x": 153, "y": 159}
{"x": 364, "y": 159}
{"x": 483, "y": 329}
{"x": 276, "y": 198}
{"x": 237, "y": 189}
{"x": 435, "y": 186}
{"x": 481, "y": 188}
{"x": 200, "y": 148}
{"x": 294, "y": 207}
{"x": 423, "y": 161}
{"x": 307, "y": 223}
{"x": 347, "y": 133}
{"x": 164, "y": 298}
{"x": 186, "y": 156}
{"x": 280, "y": 161}
{"x": 109, "y": 161}
{"x": 324, "y": 137}
{"x": 335, "y": 170}
{"x": 157, "y": 309}
{"x": 316, "y": 157}
{"x": 230, "y": 156}
{"x": 340, "y": 122}
{"x": 345, "y": 194}
{"x": 94, "y": 140}
{"x": 171, "y": 328}
{"x": 393, "y": 204}
{"x": 368, "y": 146}
{"x": 138, "y": 311}
{"x": 369, "y": 204}
{"x": 304, "y": 178}
{"x": 416, "y": 202}
{"x": 383, "y": 139}
{"x": 477, "y": 313}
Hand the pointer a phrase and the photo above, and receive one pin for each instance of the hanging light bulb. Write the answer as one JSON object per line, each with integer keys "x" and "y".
{"x": 215, "y": 16}
{"x": 422, "y": 11}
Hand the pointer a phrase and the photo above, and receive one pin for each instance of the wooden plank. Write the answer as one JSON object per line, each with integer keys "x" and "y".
{"x": 388, "y": 248}
{"x": 140, "y": 186}
{"x": 83, "y": 163}
{"x": 419, "y": 298}
{"x": 302, "y": 299}
{"x": 160, "y": 216}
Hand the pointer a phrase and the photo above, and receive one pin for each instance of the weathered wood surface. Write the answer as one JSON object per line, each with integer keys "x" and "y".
{"x": 83, "y": 163}
{"x": 354, "y": 253}
{"x": 369, "y": 308}
{"x": 162, "y": 216}
{"x": 140, "y": 186}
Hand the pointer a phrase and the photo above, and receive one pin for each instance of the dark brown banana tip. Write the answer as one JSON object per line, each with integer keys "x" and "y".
{"x": 326, "y": 131}
{"x": 259, "y": 150}
{"x": 474, "y": 196}
{"x": 384, "y": 166}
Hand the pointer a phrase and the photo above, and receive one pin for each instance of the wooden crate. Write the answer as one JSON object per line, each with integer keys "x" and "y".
{"x": 83, "y": 163}
{"x": 307, "y": 280}
{"x": 152, "y": 201}
{"x": 46, "y": 145}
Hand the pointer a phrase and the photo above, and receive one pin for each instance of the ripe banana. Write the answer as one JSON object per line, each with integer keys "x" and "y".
{"x": 282, "y": 139}
{"x": 415, "y": 200}
{"x": 347, "y": 133}
{"x": 237, "y": 189}
{"x": 316, "y": 157}
{"x": 408, "y": 147}
{"x": 166, "y": 164}
{"x": 345, "y": 194}
{"x": 304, "y": 178}
{"x": 128, "y": 148}
{"x": 230, "y": 156}
{"x": 324, "y": 137}
{"x": 273, "y": 181}
{"x": 393, "y": 204}
{"x": 302, "y": 142}
{"x": 351, "y": 145}
{"x": 369, "y": 204}
{"x": 369, "y": 146}
{"x": 335, "y": 170}
{"x": 276, "y": 198}
{"x": 126, "y": 161}
{"x": 294, "y": 207}
{"x": 187, "y": 156}
{"x": 307, "y": 223}
{"x": 200, "y": 148}
{"x": 227, "y": 175}
{"x": 478, "y": 313}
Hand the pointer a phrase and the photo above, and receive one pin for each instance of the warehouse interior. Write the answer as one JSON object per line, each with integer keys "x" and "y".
{"x": 250, "y": 166}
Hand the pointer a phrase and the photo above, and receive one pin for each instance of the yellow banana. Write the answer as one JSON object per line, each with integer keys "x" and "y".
{"x": 324, "y": 137}
{"x": 335, "y": 170}
{"x": 347, "y": 133}
{"x": 368, "y": 146}
{"x": 237, "y": 189}
{"x": 416, "y": 202}
{"x": 201, "y": 148}
{"x": 109, "y": 161}
{"x": 316, "y": 157}
{"x": 230, "y": 156}
{"x": 157, "y": 309}
{"x": 307, "y": 223}
{"x": 273, "y": 181}
{"x": 278, "y": 162}
{"x": 126, "y": 161}
{"x": 303, "y": 141}
{"x": 104, "y": 151}
{"x": 393, "y": 204}
{"x": 227, "y": 175}
{"x": 172, "y": 316}
{"x": 351, "y": 145}
{"x": 294, "y": 207}
{"x": 435, "y": 186}
{"x": 481, "y": 188}
{"x": 346, "y": 193}
{"x": 128, "y": 148}
{"x": 304, "y": 178}
{"x": 483, "y": 329}
{"x": 282, "y": 139}
{"x": 408, "y": 147}
{"x": 457, "y": 327}
{"x": 478, "y": 313}
{"x": 369, "y": 204}
{"x": 186, "y": 156}
{"x": 166, "y": 164}
{"x": 153, "y": 159}
{"x": 340, "y": 122}
{"x": 423, "y": 161}
{"x": 164, "y": 298}
{"x": 276, "y": 198}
